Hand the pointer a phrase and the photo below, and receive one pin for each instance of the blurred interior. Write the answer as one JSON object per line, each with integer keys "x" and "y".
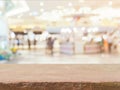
{"x": 79, "y": 27}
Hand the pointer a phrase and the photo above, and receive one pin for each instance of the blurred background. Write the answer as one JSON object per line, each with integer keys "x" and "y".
{"x": 60, "y": 31}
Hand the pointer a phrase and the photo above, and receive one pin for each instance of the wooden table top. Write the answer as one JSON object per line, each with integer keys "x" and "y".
{"x": 11, "y": 73}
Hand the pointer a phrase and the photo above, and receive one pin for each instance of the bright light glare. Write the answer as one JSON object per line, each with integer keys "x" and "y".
{"x": 85, "y": 10}
{"x": 12, "y": 35}
{"x": 75, "y": 30}
{"x": 23, "y": 7}
{"x": 81, "y": 1}
{"x": 95, "y": 19}
{"x": 83, "y": 28}
{"x": 66, "y": 30}
{"x": 95, "y": 29}
{"x": 41, "y": 4}
{"x": 1, "y": 4}
{"x": 50, "y": 16}
{"x": 107, "y": 12}
{"x": 70, "y": 4}
{"x": 110, "y": 3}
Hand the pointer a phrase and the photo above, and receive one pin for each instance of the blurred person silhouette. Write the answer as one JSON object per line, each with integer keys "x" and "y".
{"x": 110, "y": 40}
{"x": 18, "y": 41}
{"x": 31, "y": 37}
{"x": 35, "y": 43}
{"x": 29, "y": 44}
{"x": 50, "y": 43}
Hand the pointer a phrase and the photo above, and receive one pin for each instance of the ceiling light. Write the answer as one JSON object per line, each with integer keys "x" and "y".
{"x": 110, "y": 3}
{"x": 70, "y": 4}
{"x": 81, "y": 1}
{"x": 41, "y": 4}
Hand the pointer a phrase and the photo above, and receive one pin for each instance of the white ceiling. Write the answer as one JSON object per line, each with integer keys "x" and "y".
{"x": 52, "y": 4}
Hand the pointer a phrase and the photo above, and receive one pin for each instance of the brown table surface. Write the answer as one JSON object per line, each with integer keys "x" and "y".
{"x": 12, "y": 73}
